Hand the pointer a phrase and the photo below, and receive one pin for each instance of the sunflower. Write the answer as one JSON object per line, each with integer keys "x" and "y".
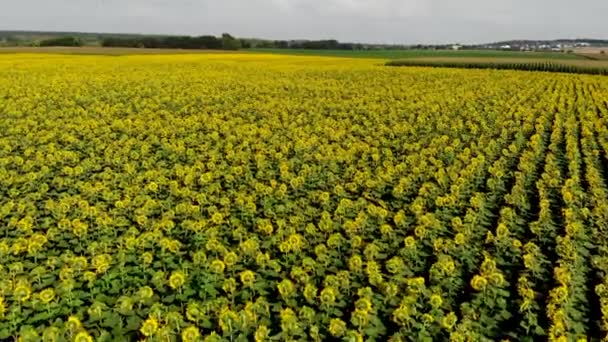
{"x": 47, "y": 295}
{"x": 149, "y": 327}
{"x": 328, "y": 296}
{"x": 337, "y": 327}
{"x": 218, "y": 266}
{"x": 177, "y": 280}
{"x": 83, "y": 336}
{"x": 436, "y": 300}
{"x": 73, "y": 323}
{"x": 449, "y": 321}
{"x": 145, "y": 293}
{"x": 247, "y": 278}
{"x": 191, "y": 334}
{"x": 22, "y": 292}
{"x": 261, "y": 333}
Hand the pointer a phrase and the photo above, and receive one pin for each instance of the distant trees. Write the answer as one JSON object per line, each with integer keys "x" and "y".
{"x": 230, "y": 43}
{"x": 225, "y": 42}
{"x": 9, "y": 40}
{"x": 62, "y": 41}
{"x": 245, "y": 43}
{"x": 329, "y": 44}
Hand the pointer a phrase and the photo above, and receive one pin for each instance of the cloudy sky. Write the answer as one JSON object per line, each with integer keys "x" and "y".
{"x": 380, "y": 21}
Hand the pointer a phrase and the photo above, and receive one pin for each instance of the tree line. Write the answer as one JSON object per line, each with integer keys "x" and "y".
{"x": 205, "y": 42}
{"x": 225, "y": 42}
{"x": 62, "y": 41}
{"x": 330, "y": 44}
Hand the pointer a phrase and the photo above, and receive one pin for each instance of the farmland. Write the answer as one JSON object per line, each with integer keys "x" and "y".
{"x": 419, "y": 53}
{"x": 576, "y": 66}
{"x": 384, "y": 54}
{"x": 240, "y": 197}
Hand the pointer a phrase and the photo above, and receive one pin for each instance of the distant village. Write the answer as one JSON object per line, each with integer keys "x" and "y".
{"x": 562, "y": 45}
{"x": 536, "y": 45}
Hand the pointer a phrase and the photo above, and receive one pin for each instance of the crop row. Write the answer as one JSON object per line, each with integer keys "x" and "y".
{"x": 523, "y": 66}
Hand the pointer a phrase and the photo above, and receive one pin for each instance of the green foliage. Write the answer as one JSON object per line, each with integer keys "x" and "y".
{"x": 230, "y": 43}
{"x": 62, "y": 41}
{"x": 170, "y": 42}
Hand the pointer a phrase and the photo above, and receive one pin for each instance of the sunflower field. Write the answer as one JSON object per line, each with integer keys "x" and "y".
{"x": 245, "y": 197}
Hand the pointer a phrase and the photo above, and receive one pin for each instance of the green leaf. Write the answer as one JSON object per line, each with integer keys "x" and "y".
{"x": 133, "y": 323}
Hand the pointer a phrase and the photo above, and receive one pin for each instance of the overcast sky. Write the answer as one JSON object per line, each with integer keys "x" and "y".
{"x": 379, "y": 21}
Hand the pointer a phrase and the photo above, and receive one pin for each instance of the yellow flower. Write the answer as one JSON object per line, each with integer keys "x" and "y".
{"x": 145, "y": 293}
{"x": 206, "y": 178}
{"x": 449, "y": 321}
{"x": 190, "y": 334}
{"x": 337, "y": 327}
{"x": 502, "y": 231}
{"x": 261, "y": 333}
{"x": 230, "y": 259}
{"x": 47, "y": 295}
{"x": 516, "y": 244}
{"x": 355, "y": 263}
{"x": 101, "y": 263}
{"x": 152, "y": 187}
{"x": 229, "y": 285}
{"x": 218, "y": 266}
{"x": 419, "y": 231}
{"x": 228, "y": 320}
{"x": 479, "y": 283}
{"x": 177, "y": 280}
{"x": 436, "y": 301}
{"x": 328, "y": 296}
{"x": 217, "y": 218}
{"x": 363, "y": 304}
{"x": 497, "y": 279}
{"x": 22, "y": 292}
{"x": 51, "y": 334}
{"x": 354, "y": 336}
{"x": 125, "y": 304}
{"x": 194, "y": 312}
{"x": 360, "y": 318}
{"x": 247, "y": 278}
{"x": 83, "y": 336}
{"x": 402, "y": 314}
{"x": 147, "y": 258}
{"x": 149, "y": 327}
{"x": 89, "y": 276}
{"x": 286, "y": 288}
{"x": 460, "y": 239}
{"x": 265, "y": 226}
{"x": 2, "y": 307}
{"x": 73, "y": 323}
{"x": 410, "y": 242}
{"x": 310, "y": 293}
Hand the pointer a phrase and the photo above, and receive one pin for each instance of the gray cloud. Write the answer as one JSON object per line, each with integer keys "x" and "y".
{"x": 385, "y": 21}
